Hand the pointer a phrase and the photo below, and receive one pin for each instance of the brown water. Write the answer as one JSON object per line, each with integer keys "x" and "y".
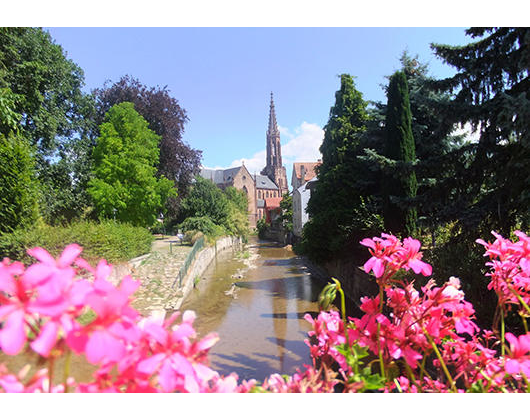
{"x": 261, "y": 329}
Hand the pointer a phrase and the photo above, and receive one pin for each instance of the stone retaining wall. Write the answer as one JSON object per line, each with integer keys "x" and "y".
{"x": 201, "y": 262}
{"x": 354, "y": 281}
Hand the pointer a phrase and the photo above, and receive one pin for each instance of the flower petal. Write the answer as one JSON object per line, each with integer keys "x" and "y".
{"x": 70, "y": 253}
{"x": 42, "y": 255}
{"x": 46, "y": 340}
{"x": 13, "y": 335}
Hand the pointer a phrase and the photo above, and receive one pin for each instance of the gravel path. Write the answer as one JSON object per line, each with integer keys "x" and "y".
{"x": 157, "y": 272}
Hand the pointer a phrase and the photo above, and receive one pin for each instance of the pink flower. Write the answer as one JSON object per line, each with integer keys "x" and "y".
{"x": 15, "y": 295}
{"x": 412, "y": 256}
{"x": 389, "y": 254}
{"x": 178, "y": 361}
{"x": 13, "y": 333}
{"x": 519, "y": 359}
{"x": 114, "y": 327}
{"x": 381, "y": 250}
{"x": 510, "y": 269}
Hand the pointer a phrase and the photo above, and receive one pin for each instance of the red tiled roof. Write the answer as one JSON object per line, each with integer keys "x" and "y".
{"x": 274, "y": 202}
{"x": 309, "y": 170}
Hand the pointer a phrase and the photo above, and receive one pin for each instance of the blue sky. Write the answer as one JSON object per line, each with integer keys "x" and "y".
{"x": 223, "y": 77}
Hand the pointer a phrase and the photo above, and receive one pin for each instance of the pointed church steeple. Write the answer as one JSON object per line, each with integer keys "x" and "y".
{"x": 273, "y": 126}
{"x": 274, "y": 169}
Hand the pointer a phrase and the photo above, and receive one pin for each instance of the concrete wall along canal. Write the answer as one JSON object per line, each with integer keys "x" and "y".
{"x": 201, "y": 262}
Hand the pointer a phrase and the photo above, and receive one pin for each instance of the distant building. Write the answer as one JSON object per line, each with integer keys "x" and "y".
{"x": 301, "y": 197}
{"x": 303, "y": 172}
{"x": 275, "y": 170}
{"x": 271, "y": 183}
{"x": 239, "y": 178}
{"x": 273, "y": 211}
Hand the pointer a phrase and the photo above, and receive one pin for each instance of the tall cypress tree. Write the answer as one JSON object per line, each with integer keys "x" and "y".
{"x": 399, "y": 187}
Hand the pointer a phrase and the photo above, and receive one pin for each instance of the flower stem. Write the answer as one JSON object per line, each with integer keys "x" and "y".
{"x": 502, "y": 331}
{"x": 440, "y": 358}
{"x": 379, "y": 349}
{"x": 67, "y": 361}
{"x": 51, "y": 365}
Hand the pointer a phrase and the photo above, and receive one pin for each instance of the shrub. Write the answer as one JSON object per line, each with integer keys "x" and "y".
{"x": 115, "y": 242}
{"x": 203, "y": 224}
{"x": 261, "y": 227}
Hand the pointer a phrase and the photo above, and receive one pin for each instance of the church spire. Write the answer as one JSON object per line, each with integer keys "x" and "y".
{"x": 273, "y": 127}
{"x": 274, "y": 169}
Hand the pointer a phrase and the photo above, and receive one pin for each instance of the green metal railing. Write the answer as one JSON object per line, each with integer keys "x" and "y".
{"x": 197, "y": 246}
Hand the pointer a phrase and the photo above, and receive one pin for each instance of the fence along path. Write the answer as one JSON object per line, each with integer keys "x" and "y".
{"x": 197, "y": 246}
{"x": 157, "y": 272}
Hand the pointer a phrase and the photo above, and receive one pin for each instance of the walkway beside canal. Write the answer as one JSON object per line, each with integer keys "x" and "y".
{"x": 162, "y": 288}
{"x": 157, "y": 272}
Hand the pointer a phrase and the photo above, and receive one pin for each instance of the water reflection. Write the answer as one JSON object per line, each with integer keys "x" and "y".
{"x": 262, "y": 330}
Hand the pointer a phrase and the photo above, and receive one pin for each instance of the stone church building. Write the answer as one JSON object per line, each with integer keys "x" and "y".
{"x": 264, "y": 190}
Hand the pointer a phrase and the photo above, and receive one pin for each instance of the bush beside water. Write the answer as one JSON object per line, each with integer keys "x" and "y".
{"x": 116, "y": 242}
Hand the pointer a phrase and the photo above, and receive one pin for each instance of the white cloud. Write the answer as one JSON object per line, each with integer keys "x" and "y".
{"x": 254, "y": 164}
{"x": 304, "y": 144}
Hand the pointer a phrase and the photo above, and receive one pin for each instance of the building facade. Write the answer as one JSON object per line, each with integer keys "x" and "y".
{"x": 304, "y": 175}
{"x": 271, "y": 183}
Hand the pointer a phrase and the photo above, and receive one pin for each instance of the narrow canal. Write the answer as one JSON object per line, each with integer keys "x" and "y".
{"x": 256, "y": 301}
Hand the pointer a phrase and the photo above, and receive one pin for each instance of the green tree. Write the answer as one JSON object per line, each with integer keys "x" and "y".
{"x": 227, "y": 209}
{"x": 55, "y": 115}
{"x": 125, "y": 185}
{"x": 178, "y": 161}
{"x": 340, "y": 207}
{"x": 441, "y": 153}
{"x": 48, "y": 87}
{"x": 18, "y": 189}
{"x": 205, "y": 199}
{"x": 491, "y": 91}
{"x": 399, "y": 187}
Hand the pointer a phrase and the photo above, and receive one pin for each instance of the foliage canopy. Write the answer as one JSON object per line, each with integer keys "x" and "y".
{"x": 125, "y": 185}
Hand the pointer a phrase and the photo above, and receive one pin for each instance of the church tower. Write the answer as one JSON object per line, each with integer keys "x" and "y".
{"x": 274, "y": 169}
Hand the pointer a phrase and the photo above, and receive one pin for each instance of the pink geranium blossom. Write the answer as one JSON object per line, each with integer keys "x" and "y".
{"x": 519, "y": 359}
{"x": 390, "y": 255}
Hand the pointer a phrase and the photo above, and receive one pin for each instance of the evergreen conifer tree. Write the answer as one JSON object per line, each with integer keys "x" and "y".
{"x": 400, "y": 187}
{"x": 337, "y": 207}
{"x": 492, "y": 92}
